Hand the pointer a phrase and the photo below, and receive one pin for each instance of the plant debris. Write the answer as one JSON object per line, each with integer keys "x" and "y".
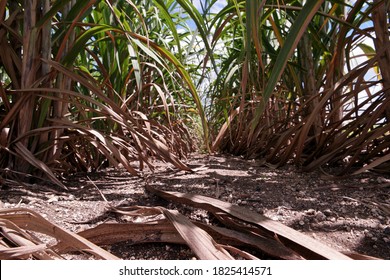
{"x": 227, "y": 208}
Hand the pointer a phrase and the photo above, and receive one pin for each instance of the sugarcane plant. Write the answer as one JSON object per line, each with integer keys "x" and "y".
{"x": 303, "y": 82}
{"x": 92, "y": 83}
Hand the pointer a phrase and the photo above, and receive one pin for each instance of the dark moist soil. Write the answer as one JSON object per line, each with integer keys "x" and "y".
{"x": 349, "y": 215}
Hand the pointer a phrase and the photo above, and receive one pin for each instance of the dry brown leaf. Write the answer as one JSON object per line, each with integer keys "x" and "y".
{"x": 21, "y": 252}
{"x": 110, "y": 233}
{"x": 29, "y": 157}
{"x": 21, "y": 244}
{"x": 357, "y": 256}
{"x": 162, "y": 230}
{"x": 27, "y": 219}
{"x": 373, "y": 164}
{"x": 176, "y": 229}
{"x": 265, "y": 245}
{"x": 239, "y": 252}
{"x": 201, "y": 243}
{"x": 304, "y": 245}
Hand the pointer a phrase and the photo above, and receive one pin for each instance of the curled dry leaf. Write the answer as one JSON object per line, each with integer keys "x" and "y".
{"x": 21, "y": 252}
{"x": 197, "y": 239}
{"x": 20, "y": 220}
{"x": 302, "y": 244}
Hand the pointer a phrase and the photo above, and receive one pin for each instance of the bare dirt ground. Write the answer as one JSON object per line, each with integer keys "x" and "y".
{"x": 349, "y": 215}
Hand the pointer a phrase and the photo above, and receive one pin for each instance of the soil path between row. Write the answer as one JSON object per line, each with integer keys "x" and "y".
{"x": 349, "y": 215}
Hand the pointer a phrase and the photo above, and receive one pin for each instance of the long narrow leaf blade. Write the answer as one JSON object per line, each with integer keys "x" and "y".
{"x": 306, "y": 245}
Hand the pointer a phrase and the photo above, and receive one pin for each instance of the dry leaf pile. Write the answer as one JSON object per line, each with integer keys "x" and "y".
{"x": 239, "y": 230}
{"x": 19, "y": 243}
{"x": 226, "y": 208}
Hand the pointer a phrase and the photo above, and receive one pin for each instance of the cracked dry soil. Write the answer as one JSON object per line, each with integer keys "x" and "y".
{"x": 349, "y": 215}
